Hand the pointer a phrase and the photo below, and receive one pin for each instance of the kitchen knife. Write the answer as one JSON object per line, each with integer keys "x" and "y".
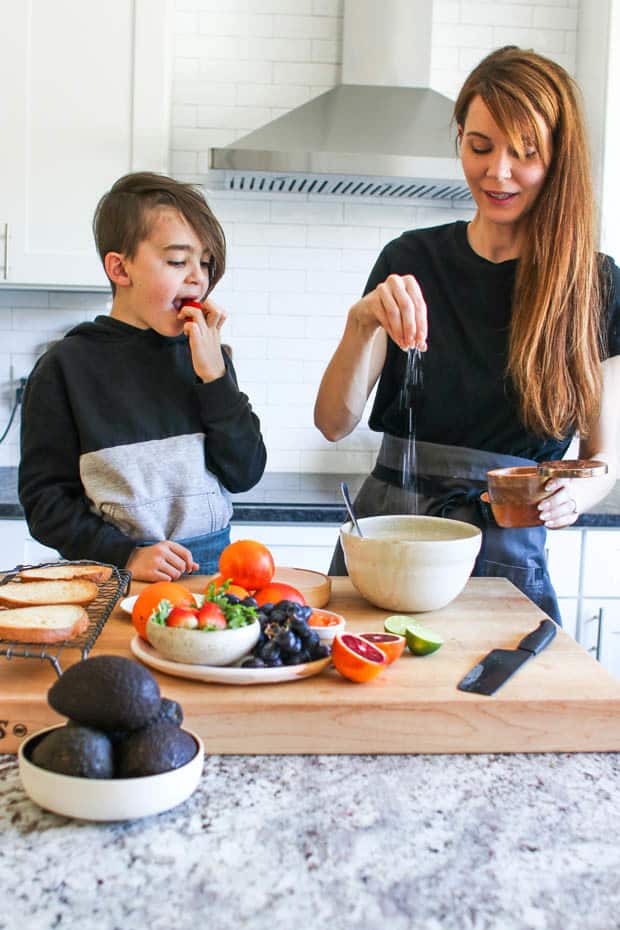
{"x": 500, "y": 664}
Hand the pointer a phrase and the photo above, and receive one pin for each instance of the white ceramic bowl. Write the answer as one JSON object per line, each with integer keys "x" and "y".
{"x": 108, "y": 798}
{"x": 327, "y": 633}
{"x": 410, "y": 563}
{"x": 198, "y": 647}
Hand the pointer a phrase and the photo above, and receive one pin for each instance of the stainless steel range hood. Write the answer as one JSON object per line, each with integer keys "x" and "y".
{"x": 382, "y": 133}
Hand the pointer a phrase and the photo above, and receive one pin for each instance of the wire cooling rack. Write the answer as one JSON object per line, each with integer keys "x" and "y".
{"x": 99, "y": 610}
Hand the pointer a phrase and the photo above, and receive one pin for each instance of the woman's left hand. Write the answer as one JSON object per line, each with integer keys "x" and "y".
{"x": 560, "y": 508}
{"x": 202, "y": 327}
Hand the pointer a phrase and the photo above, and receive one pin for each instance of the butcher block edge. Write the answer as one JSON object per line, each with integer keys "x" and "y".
{"x": 560, "y": 701}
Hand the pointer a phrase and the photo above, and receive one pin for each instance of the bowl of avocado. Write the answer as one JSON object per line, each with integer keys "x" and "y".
{"x": 121, "y": 755}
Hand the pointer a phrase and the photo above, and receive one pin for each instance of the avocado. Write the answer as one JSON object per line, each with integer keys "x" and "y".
{"x": 78, "y": 751}
{"x": 108, "y": 693}
{"x": 160, "y": 747}
{"x": 170, "y": 711}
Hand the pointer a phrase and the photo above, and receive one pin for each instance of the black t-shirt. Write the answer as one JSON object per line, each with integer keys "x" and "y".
{"x": 465, "y": 398}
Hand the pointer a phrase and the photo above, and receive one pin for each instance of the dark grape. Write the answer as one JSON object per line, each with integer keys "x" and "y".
{"x": 321, "y": 651}
{"x": 278, "y": 615}
{"x": 267, "y": 608}
{"x": 249, "y": 602}
{"x": 305, "y": 612}
{"x": 232, "y": 598}
{"x": 298, "y": 626}
{"x": 288, "y": 642}
{"x": 311, "y": 639}
{"x": 269, "y": 651}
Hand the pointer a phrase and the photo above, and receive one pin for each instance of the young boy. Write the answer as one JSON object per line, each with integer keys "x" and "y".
{"x": 133, "y": 427}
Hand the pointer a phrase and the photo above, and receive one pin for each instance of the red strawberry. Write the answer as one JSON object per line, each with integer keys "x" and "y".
{"x": 184, "y": 617}
{"x": 211, "y": 615}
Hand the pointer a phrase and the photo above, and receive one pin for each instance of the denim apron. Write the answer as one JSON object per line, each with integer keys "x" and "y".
{"x": 448, "y": 483}
{"x": 206, "y": 549}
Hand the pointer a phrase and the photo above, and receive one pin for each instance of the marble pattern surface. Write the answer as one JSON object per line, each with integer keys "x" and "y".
{"x": 486, "y": 842}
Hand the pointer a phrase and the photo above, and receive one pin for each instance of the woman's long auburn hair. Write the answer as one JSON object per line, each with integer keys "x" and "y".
{"x": 556, "y": 335}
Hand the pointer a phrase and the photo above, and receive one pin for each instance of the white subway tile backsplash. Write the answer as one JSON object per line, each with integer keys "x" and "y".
{"x": 497, "y": 14}
{"x": 280, "y": 6}
{"x": 240, "y": 119}
{"x": 271, "y": 234}
{"x": 463, "y": 36}
{"x": 299, "y": 72}
{"x": 555, "y": 17}
{"x": 266, "y": 280}
{"x": 308, "y": 27}
{"x": 203, "y": 92}
{"x": 272, "y": 95}
{"x": 309, "y": 212}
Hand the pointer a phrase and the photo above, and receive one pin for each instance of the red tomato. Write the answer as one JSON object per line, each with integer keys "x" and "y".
{"x": 149, "y": 598}
{"x": 248, "y": 563}
{"x": 211, "y": 615}
{"x": 278, "y": 591}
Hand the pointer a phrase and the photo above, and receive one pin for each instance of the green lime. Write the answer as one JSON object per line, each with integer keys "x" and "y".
{"x": 398, "y": 623}
{"x": 422, "y": 641}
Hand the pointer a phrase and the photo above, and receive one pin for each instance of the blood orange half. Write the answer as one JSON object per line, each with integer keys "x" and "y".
{"x": 356, "y": 658}
{"x": 392, "y": 645}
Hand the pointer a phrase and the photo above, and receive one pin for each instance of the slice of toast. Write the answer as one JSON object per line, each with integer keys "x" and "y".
{"x": 96, "y": 573}
{"x": 24, "y": 593}
{"x": 50, "y": 623}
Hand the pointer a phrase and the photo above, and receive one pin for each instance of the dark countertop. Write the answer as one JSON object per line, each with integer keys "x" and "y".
{"x": 290, "y": 497}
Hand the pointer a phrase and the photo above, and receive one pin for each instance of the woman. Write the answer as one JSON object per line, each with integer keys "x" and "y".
{"x": 523, "y": 327}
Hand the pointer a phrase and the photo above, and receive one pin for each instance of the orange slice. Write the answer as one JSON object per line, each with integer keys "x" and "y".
{"x": 392, "y": 645}
{"x": 356, "y": 658}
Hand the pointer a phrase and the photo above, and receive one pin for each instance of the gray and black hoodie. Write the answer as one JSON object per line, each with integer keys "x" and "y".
{"x": 122, "y": 443}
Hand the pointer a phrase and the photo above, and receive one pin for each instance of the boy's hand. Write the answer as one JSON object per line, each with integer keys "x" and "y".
{"x": 163, "y": 561}
{"x": 202, "y": 327}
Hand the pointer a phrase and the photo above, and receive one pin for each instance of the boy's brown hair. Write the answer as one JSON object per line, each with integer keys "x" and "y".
{"x": 123, "y": 216}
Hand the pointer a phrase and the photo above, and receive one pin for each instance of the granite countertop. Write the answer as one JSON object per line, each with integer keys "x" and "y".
{"x": 292, "y": 497}
{"x": 486, "y": 842}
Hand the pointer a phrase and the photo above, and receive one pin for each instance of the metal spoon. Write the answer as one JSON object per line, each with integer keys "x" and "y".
{"x": 347, "y": 500}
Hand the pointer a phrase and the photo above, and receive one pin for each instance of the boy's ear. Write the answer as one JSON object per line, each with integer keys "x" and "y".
{"x": 114, "y": 264}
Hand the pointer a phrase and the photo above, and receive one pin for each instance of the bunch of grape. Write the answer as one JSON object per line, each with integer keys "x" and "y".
{"x": 285, "y": 637}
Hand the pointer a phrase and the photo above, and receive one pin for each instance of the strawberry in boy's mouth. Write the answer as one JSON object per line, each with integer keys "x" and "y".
{"x": 181, "y": 302}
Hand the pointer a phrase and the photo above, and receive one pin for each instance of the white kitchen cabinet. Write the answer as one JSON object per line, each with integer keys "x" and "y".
{"x": 563, "y": 555}
{"x": 295, "y": 545}
{"x": 604, "y": 639}
{"x": 84, "y": 100}
{"x": 17, "y": 547}
{"x": 602, "y": 563}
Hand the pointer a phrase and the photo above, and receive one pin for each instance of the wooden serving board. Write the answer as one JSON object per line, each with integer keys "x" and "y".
{"x": 562, "y": 700}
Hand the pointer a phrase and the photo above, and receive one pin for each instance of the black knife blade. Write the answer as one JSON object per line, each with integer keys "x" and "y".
{"x": 500, "y": 664}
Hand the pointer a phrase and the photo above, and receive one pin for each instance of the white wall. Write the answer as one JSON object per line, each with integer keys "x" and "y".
{"x": 295, "y": 265}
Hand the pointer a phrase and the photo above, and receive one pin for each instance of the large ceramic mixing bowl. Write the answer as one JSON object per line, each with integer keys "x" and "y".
{"x": 410, "y": 563}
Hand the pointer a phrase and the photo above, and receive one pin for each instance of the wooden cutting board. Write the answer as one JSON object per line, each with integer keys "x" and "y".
{"x": 562, "y": 700}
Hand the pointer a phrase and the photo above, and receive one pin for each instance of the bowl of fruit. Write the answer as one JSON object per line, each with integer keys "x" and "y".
{"x": 122, "y": 754}
{"x": 220, "y": 631}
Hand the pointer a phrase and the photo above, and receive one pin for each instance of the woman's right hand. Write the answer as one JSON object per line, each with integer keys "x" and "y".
{"x": 397, "y": 305}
